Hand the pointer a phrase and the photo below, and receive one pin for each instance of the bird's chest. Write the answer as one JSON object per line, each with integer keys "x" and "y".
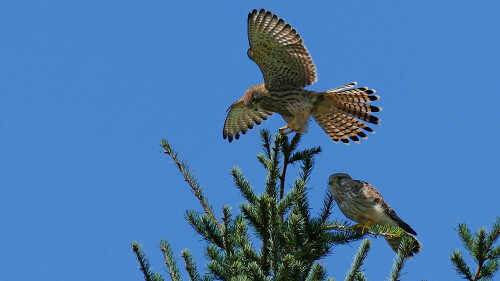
{"x": 361, "y": 210}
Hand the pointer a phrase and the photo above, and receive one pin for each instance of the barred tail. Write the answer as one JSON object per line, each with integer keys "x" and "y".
{"x": 339, "y": 109}
{"x": 395, "y": 242}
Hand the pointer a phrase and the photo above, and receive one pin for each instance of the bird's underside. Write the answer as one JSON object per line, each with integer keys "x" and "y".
{"x": 287, "y": 68}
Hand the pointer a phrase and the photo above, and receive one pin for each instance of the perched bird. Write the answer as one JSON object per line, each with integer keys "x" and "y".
{"x": 287, "y": 68}
{"x": 361, "y": 202}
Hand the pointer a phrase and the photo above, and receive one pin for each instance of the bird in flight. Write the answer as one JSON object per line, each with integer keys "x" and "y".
{"x": 362, "y": 203}
{"x": 287, "y": 68}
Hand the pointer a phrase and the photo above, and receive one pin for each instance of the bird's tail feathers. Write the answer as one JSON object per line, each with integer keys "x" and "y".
{"x": 353, "y": 101}
{"x": 346, "y": 86}
{"x": 340, "y": 126}
{"x": 395, "y": 242}
{"x": 340, "y": 110}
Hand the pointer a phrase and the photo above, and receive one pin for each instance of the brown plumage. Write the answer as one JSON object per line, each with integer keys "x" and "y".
{"x": 362, "y": 203}
{"x": 287, "y": 68}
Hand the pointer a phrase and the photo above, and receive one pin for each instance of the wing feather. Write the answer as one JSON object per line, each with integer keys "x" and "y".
{"x": 279, "y": 52}
{"x": 240, "y": 119}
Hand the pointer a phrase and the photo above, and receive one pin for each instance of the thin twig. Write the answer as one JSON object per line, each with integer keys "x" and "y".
{"x": 194, "y": 187}
{"x": 402, "y": 256}
{"x": 286, "y": 158}
{"x": 143, "y": 261}
{"x": 385, "y": 234}
{"x": 172, "y": 267}
{"x": 358, "y": 261}
{"x": 282, "y": 177}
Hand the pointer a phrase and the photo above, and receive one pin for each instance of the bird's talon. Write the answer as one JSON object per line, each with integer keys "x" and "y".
{"x": 362, "y": 226}
{"x": 353, "y": 228}
{"x": 363, "y": 229}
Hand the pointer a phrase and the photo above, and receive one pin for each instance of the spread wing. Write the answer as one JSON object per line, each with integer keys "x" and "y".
{"x": 241, "y": 118}
{"x": 278, "y": 51}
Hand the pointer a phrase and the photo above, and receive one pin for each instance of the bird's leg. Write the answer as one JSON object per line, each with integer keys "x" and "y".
{"x": 362, "y": 226}
{"x": 365, "y": 226}
{"x": 289, "y": 126}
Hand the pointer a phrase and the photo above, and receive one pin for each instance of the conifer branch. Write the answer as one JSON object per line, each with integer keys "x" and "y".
{"x": 481, "y": 248}
{"x": 460, "y": 265}
{"x": 249, "y": 252}
{"x": 404, "y": 252}
{"x": 144, "y": 264}
{"x": 215, "y": 253}
{"x": 191, "y": 180}
{"x": 273, "y": 169}
{"x": 300, "y": 155}
{"x": 294, "y": 227}
{"x": 276, "y": 243}
{"x": 283, "y": 140}
{"x": 265, "y": 232}
{"x": 306, "y": 156}
{"x": 227, "y": 233}
{"x": 250, "y": 213}
{"x": 301, "y": 205}
{"x": 360, "y": 277}
{"x": 490, "y": 268}
{"x": 465, "y": 236}
{"x": 492, "y": 238}
{"x": 355, "y": 273}
{"x": 386, "y": 231}
{"x": 266, "y": 142}
{"x": 317, "y": 272}
{"x": 218, "y": 270}
{"x": 288, "y": 269}
{"x": 190, "y": 266}
{"x": 340, "y": 237}
{"x": 288, "y": 200}
{"x": 294, "y": 143}
{"x": 287, "y": 149}
{"x": 256, "y": 272}
{"x": 170, "y": 262}
{"x": 326, "y": 210}
{"x": 306, "y": 167}
{"x": 242, "y": 184}
{"x": 205, "y": 226}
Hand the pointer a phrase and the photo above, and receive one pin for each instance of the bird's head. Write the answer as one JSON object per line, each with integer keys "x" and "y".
{"x": 254, "y": 96}
{"x": 338, "y": 179}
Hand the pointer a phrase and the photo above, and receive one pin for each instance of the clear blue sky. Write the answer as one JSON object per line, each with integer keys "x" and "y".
{"x": 88, "y": 90}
